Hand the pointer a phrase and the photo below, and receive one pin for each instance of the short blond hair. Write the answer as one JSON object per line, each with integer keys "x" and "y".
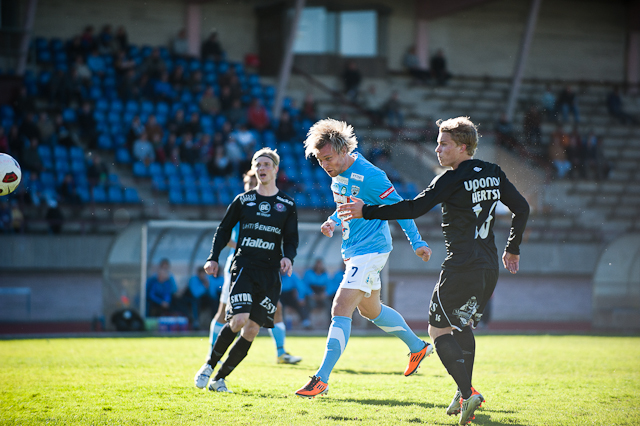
{"x": 462, "y": 131}
{"x": 332, "y": 132}
{"x": 266, "y": 152}
{"x": 251, "y": 174}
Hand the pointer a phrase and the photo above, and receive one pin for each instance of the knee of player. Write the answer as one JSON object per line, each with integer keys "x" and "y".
{"x": 238, "y": 322}
{"x": 250, "y": 330}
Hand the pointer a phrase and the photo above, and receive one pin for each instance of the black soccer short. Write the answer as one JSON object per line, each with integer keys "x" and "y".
{"x": 254, "y": 291}
{"x": 460, "y": 297}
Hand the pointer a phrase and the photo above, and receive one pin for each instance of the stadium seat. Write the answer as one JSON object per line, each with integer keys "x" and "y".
{"x": 174, "y": 185}
{"x": 78, "y": 166}
{"x": 140, "y": 170}
{"x": 76, "y": 153}
{"x": 95, "y": 93}
{"x": 155, "y": 169}
{"x": 191, "y": 196}
{"x": 159, "y": 183}
{"x": 45, "y": 152}
{"x": 69, "y": 115}
{"x": 185, "y": 169}
{"x": 123, "y": 156}
{"x": 117, "y": 106}
{"x": 200, "y": 170}
{"x": 170, "y": 170}
{"x": 131, "y": 196}
{"x": 132, "y": 107}
{"x": 99, "y": 194}
{"x": 113, "y": 117}
{"x": 147, "y": 108}
{"x": 301, "y": 200}
{"x": 207, "y": 197}
{"x": 83, "y": 193}
{"x": 114, "y": 195}
{"x": 223, "y": 196}
{"x": 176, "y": 197}
{"x": 113, "y": 179}
{"x": 48, "y": 180}
{"x": 62, "y": 166}
{"x": 269, "y": 138}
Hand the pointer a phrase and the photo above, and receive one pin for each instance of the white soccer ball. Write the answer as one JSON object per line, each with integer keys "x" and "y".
{"x": 10, "y": 174}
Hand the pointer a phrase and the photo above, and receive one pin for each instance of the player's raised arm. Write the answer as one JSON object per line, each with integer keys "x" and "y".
{"x": 519, "y": 206}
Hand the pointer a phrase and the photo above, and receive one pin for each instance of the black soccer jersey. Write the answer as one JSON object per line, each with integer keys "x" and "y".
{"x": 268, "y": 230}
{"x": 469, "y": 196}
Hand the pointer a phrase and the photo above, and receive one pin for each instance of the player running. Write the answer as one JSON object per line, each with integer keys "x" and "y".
{"x": 469, "y": 194}
{"x": 365, "y": 249}
{"x": 267, "y": 244}
{"x": 279, "y": 331}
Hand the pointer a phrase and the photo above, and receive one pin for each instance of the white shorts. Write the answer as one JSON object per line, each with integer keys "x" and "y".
{"x": 363, "y": 272}
{"x": 226, "y": 287}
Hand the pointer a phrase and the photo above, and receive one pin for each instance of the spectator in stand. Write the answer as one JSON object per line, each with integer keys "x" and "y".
{"x": 56, "y": 88}
{"x": 97, "y": 171}
{"x": 206, "y": 147}
{"x": 128, "y": 88}
{"x": 23, "y": 104}
{"x": 576, "y": 153}
{"x": 352, "y": 78}
{"x": 177, "y": 124}
{"x": 34, "y": 190}
{"x": 567, "y": 102}
{"x": 153, "y": 128}
{"x": 558, "y": 152}
{"x": 220, "y": 165}
{"x": 532, "y": 127}
{"x": 4, "y": 142}
{"x": 237, "y": 115}
{"x": 614, "y": 106}
{"x": 193, "y": 126}
{"x": 16, "y": 142}
{"x": 68, "y": 190}
{"x": 236, "y": 87}
{"x": 283, "y": 181}
{"x": 189, "y": 150}
{"x": 96, "y": 63}
{"x": 294, "y": 295}
{"x": 211, "y": 48}
{"x": 285, "y": 132}
{"x": 237, "y": 158}
{"x": 309, "y": 108}
{"x": 246, "y": 139}
{"x": 143, "y": 150}
{"x": 180, "y": 44}
{"x": 438, "y": 68}
{"x": 87, "y": 124}
{"x": 74, "y": 47}
{"x": 202, "y": 293}
{"x": 257, "y": 116}
{"x": 209, "y": 104}
{"x": 122, "y": 39}
{"x": 154, "y": 65}
{"x": 88, "y": 40}
{"x": 318, "y": 280}
{"x": 17, "y": 218}
{"x": 136, "y": 129}
{"x": 178, "y": 79}
{"x": 122, "y": 64}
{"x": 548, "y": 101}
{"x": 226, "y": 98}
{"x": 29, "y": 128}
{"x": 196, "y": 84}
{"x": 505, "y": 135}
{"x": 412, "y": 64}
{"x": 393, "y": 111}
{"x": 158, "y": 148}
{"x": 172, "y": 149}
{"x": 82, "y": 71}
{"x": 46, "y": 128}
{"x": 54, "y": 217}
{"x": 107, "y": 41}
{"x": 161, "y": 289}
{"x": 594, "y": 158}
{"x": 31, "y": 160}
{"x": 162, "y": 89}
{"x": 61, "y": 134}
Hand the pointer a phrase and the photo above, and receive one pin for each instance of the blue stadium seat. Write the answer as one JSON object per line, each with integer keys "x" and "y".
{"x": 159, "y": 183}
{"x": 117, "y": 106}
{"x": 204, "y": 184}
{"x": 210, "y": 79}
{"x": 162, "y": 108}
{"x": 113, "y": 117}
{"x": 76, "y": 153}
{"x": 174, "y": 185}
{"x": 253, "y": 79}
{"x": 200, "y": 170}
{"x": 45, "y": 152}
{"x": 186, "y": 97}
{"x": 147, "y": 107}
{"x": 188, "y": 181}
{"x": 223, "y": 67}
{"x": 207, "y": 197}
{"x": 113, "y": 179}
{"x": 109, "y": 82}
{"x": 62, "y": 165}
{"x": 48, "y": 180}
{"x": 140, "y": 170}
{"x": 170, "y": 170}
{"x": 99, "y": 194}
{"x": 206, "y": 121}
{"x": 123, "y": 156}
{"x": 78, "y": 166}
{"x": 83, "y": 193}
{"x": 114, "y": 195}
{"x": 301, "y": 200}
{"x": 176, "y": 197}
{"x": 69, "y": 115}
{"x": 119, "y": 139}
{"x": 132, "y": 107}
{"x": 209, "y": 66}
{"x": 95, "y": 93}
{"x": 186, "y": 169}
{"x": 269, "y": 138}
{"x": 191, "y": 196}
{"x": 81, "y": 178}
{"x": 223, "y": 196}
{"x": 194, "y": 65}
{"x": 131, "y": 196}
{"x": 99, "y": 116}
{"x": 155, "y": 169}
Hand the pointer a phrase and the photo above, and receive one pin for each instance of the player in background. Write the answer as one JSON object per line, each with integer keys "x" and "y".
{"x": 267, "y": 245}
{"x": 365, "y": 249}
{"x": 279, "y": 331}
{"x": 469, "y": 194}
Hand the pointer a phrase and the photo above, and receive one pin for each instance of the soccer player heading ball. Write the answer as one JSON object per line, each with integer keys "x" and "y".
{"x": 365, "y": 248}
{"x": 469, "y": 194}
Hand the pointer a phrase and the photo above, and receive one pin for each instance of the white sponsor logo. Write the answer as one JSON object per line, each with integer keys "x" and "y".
{"x": 477, "y": 169}
{"x": 242, "y": 298}
{"x": 341, "y": 179}
{"x": 247, "y": 197}
{"x": 284, "y": 200}
{"x": 258, "y": 243}
{"x": 260, "y": 227}
{"x": 264, "y": 207}
{"x": 475, "y": 184}
{"x": 251, "y": 204}
{"x": 356, "y": 176}
{"x": 268, "y": 305}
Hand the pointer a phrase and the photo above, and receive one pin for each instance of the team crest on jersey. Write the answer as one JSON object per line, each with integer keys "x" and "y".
{"x": 343, "y": 190}
{"x": 356, "y": 176}
{"x": 264, "y": 207}
{"x": 280, "y": 207}
{"x": 355, "y": 190}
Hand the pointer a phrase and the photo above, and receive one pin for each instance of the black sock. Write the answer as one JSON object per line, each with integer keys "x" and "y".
{"x": 222, "y": 343}
{"x": 236, "y": 355}
{"x": 451, "y": 356}
{"x": 467, "y": 343}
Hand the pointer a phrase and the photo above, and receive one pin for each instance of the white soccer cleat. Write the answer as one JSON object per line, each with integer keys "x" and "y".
{"x": 454, "y": 407}
{"x": 219, "y": 386}
{"x": 202, "y": 376}
{"x": 286, "y": 358}
{"x": 468, "y": 407}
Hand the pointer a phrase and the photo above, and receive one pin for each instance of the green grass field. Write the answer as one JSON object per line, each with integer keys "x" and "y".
{"x": 527, "y": 380}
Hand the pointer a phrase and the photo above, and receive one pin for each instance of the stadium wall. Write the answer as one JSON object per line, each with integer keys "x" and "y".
{"x": 574, "y": 39}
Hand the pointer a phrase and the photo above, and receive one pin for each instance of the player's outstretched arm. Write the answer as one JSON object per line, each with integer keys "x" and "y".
{"x": 211, "y": 267}
{"x": 511, "y": 262}
{"x": 424, "y": 253}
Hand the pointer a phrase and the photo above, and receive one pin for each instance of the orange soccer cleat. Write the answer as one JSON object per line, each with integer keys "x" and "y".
{"x": 313, "y": 388}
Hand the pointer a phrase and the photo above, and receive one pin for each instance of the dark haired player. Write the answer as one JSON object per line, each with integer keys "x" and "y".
{"x": 469, "y": 194}
{"x": 267, "y": 244}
